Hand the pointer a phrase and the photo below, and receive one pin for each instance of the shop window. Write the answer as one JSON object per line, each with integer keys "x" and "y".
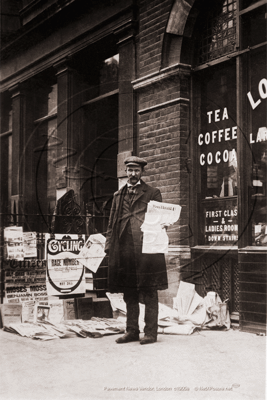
{"x": 247, "y": 3}
{"x": 46, "y": 150}
{"x": 215, "y": 125}
{"x": 101, "y": 76}
{"x": 217, "y": 155}
{"x": 99, "y": 143}
{"x": 99, "y": 160}
{"x": 221, "y": 124}
{"x": 257, "y": 139}
{"x": 6, "y": 156}
{"x": 109, "y": 72}
{"x": 254, "y": 27}
{"x": 217, "y": 138}
{"x": 218, "y": 32}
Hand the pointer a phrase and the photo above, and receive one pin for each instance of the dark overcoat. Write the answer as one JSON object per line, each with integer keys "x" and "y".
{"x": 150, "y": 268}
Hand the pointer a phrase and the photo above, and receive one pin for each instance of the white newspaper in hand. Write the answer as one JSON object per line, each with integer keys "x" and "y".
{"x": 170, "y": 213}
{"x": 93, "y": 252}
{"x": 158, "y": 215}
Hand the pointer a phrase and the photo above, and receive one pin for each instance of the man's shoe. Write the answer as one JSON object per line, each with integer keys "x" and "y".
{"x": 128, "y": 337}
{"x": 148, "y": 339}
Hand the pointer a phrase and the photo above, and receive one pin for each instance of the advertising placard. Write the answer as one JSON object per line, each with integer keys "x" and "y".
{"x": 13, "y": 237}
{"x": 30, "y": 244}
{"x": 10, "y": 313}
{"x": 65, "y": 273}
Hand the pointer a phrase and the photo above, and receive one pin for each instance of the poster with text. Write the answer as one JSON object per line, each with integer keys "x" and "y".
{"x": 65, "y": 274}
{"x": 13, "y": 237}
{"x": 30, "y": 244}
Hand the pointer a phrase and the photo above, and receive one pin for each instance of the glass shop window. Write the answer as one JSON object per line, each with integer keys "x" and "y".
{"x": 99, "y": 143}
{"x": 253, "y": 25}
{"x": 257, "y": 138}
{"x": 218, "y": 31}
{"x": 46, "y": 149}
{"x": 217, "y": 155}
{"x": 102, "y": 77}
{"x": 51, "y": 153}
{"x": 99, "y": 159}
{"x": 217, "y": 139}
{"x": 109, "y": 73}
{"x": 6, "y": 156}
{"x": 247, "y": 3}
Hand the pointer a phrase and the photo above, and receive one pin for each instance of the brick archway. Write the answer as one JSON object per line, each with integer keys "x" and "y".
{"x": 179, "y": 29}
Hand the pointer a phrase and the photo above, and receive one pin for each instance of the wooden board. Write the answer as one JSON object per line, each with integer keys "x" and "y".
{"x": 69, "y": 309}
{"x": 102, "y": 308}
{"x": 84, "y": 307}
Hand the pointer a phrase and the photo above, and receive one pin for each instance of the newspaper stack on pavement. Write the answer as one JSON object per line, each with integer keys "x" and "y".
{"x": 189, "y": 312}
{"x": 35, "y": 330}
{"x": 166, "y": 315}
{"x": 94, "y": 328}
{"x": 158, "y": 215}
{"x": 189, "y": 305}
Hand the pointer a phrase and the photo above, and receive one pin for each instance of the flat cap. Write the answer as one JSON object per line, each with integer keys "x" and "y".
{"x": 133, "y": 160}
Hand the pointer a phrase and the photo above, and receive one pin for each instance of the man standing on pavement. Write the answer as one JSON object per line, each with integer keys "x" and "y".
{"x": 138, "y": 276}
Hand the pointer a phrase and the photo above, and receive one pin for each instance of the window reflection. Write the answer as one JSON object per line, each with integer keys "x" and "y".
{"x": 48, "y": 146}
{"x": 218, "y": 35}
{"x": 218, "y": 137}
{"x": 109, "y": 72}
{"x": 257, "y": 137}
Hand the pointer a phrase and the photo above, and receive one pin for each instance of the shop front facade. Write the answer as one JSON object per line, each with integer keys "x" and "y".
{"x": 182, "y": 84}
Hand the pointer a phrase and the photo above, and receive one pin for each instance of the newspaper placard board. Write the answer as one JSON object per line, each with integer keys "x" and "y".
{"x": 30, "y": 244}
{"x": 65, "y": 273}
{"x": 13, "y": 237}
{"x": 10, "y": 313}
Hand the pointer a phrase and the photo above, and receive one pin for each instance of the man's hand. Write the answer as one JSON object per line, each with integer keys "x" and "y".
{"x": 165, "y": 226}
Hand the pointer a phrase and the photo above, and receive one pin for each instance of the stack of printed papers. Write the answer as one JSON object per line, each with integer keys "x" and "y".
{"x": 189, "y": 305}
{"x": 96, "y": 327}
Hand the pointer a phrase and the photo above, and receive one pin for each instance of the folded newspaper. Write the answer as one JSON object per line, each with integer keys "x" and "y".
{"x": 93, "y": 252}
{"x": 190, "y": 307}
{"x": 158, "y": 215}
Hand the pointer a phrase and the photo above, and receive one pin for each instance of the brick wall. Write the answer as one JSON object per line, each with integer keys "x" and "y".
{"x": 153, "y": 20}
{"x": 163, "y": 135}
{"x": 163, "y": 131}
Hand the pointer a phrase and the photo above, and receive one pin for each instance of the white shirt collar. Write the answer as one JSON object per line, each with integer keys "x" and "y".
{"x": 129, "y": 184}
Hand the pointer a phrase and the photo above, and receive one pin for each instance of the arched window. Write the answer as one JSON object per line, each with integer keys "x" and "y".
{"x": 218, "y": 32}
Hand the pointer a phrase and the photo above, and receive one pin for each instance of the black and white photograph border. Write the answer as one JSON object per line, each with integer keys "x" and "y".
{"x": 109, "y": 108}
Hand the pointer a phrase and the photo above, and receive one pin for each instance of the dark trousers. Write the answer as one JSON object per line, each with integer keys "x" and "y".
{"x": 132, "y": 295}
{"x": 150, "y": 299}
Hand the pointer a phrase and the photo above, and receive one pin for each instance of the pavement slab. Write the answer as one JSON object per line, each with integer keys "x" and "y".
{"x": 205, "y": 365}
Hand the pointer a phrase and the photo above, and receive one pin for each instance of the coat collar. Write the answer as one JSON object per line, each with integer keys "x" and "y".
{"x": 140, "y": 189}
{"x": 120, "y": 193}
